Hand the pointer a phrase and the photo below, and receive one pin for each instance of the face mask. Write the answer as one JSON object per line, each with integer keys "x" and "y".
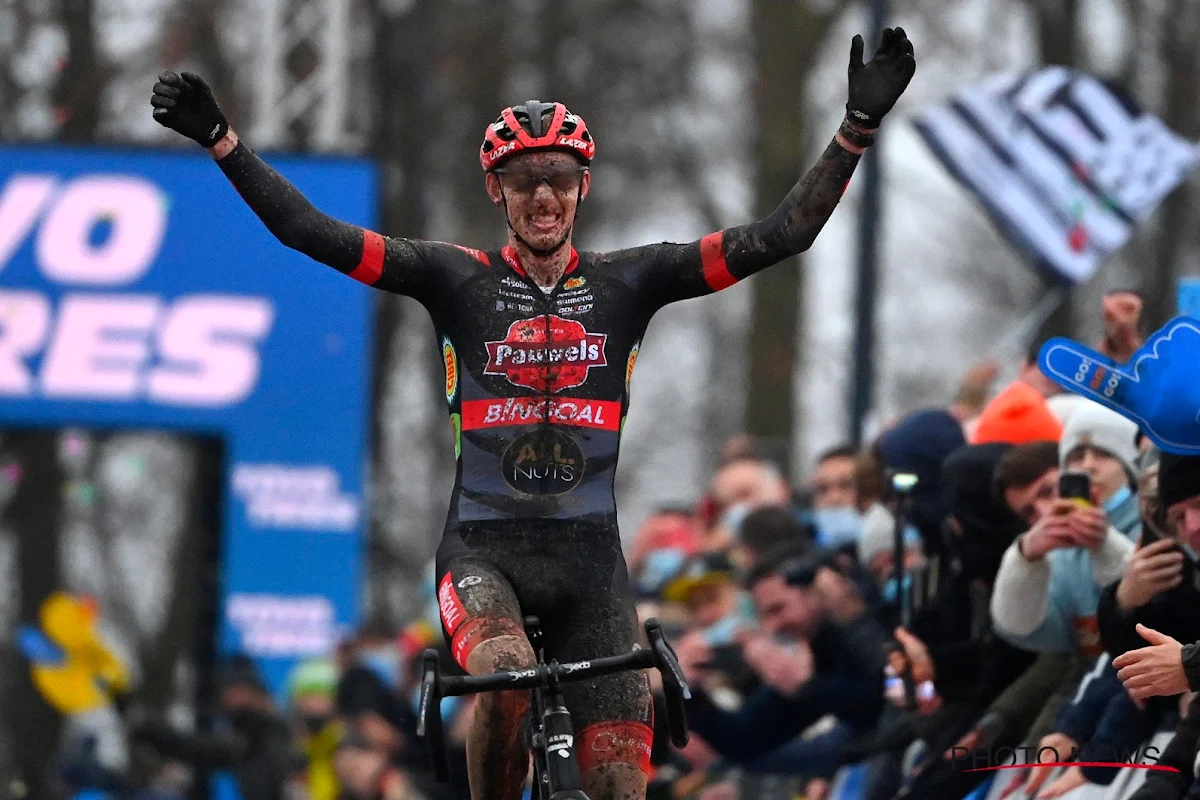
{"x": 732, "y": 519}
{"x": 1117, "y": 499}
{"x": 837, "y": 527}
{"x": 658, "y": 567}
{"x": 725, "y": 630}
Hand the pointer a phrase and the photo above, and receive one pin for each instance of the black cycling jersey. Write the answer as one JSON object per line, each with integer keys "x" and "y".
{"x": 537, "y": 381}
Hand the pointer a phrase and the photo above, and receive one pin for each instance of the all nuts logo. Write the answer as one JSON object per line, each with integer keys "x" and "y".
{"x": 546, "y": 354}
{"x": 543, "y": 462}
{"x": 451, "y": 362}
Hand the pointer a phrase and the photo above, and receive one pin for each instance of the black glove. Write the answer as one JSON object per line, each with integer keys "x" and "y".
{"x": 184, "y": 103}
{"x": 876, "y": 86}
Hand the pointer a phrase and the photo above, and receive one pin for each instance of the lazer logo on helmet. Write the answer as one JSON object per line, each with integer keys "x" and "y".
{"x": 546, "y": 354}
{"x": 502, "y": 150}
{"x": 578, "y": 144}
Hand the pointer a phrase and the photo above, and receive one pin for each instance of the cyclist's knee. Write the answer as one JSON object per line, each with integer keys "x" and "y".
{"x": 483, "y": 645}
{"x": 614, "y": 758}
{"x": 498, "y": 649}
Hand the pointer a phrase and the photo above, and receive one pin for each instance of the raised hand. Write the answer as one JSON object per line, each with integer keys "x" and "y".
{"x": 1157, "y": 389}
{"x": 185, "y": 104}
{"x": 877, "y": 85}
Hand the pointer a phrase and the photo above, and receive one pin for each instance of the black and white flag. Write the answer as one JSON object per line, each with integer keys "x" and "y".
{"x": 1065, "y": 166}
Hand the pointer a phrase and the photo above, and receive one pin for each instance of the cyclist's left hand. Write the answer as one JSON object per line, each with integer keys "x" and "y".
{"x": 876, "y": 85}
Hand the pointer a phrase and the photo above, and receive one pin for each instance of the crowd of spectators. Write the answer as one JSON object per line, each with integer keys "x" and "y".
{"x": 1013, "y": 572}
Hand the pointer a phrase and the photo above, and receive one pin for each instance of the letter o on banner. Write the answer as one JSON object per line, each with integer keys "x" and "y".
{"x": 135, "y": 208}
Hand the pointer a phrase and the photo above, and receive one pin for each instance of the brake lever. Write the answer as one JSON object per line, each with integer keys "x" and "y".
{"x": 429, "y": 719}
{"x": 675, "y": 688}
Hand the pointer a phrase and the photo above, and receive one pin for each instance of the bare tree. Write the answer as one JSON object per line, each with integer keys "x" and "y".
{"x": 785, "y": 62}
{"x": 83, "y": 77}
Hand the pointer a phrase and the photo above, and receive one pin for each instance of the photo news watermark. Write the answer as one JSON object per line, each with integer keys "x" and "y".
{"x": 963, "y": 759}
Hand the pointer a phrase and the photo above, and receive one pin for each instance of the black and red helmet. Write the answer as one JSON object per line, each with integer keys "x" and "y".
{"x": 532, "y": 127}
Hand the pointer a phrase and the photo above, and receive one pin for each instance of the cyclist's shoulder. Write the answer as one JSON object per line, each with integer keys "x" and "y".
{"x": 448, "y": 252}
{"x": 634, "y": 257}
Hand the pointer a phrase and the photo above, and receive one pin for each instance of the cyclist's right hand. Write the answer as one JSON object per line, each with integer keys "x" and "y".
{"x": 185, "y": 104}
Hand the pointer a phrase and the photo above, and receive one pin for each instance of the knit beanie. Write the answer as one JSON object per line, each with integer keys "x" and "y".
{"x": 879, "y": 534}
{"x": 1095, "y": 426}
{"x": 1017, "y": 415}
{"x": 1178, "y": 479}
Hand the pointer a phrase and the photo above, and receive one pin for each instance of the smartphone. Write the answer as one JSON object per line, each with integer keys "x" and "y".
{"x": 725, "y": 658}
{"x": 1076, "y": 486}
{"x": 1191, "y": 570}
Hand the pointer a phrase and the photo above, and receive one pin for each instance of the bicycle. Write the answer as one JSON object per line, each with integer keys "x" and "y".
{"x": 549, "y": 722}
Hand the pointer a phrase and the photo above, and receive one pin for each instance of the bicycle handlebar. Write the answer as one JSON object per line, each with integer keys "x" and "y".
{"x": 660, "y": 656}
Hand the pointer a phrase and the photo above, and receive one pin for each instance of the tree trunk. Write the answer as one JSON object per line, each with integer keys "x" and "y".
{"x": 35, "y": 515}
{"x": 784, "y": 64}
{"x": 1059, "y": 43}
{"x": 1176, "y": 236}
{"x": 81, "y": 83}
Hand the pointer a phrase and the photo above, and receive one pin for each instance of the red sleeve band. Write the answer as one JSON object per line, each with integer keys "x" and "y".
{"x": 712, "y": 259}
{"x": 370, "y": 268}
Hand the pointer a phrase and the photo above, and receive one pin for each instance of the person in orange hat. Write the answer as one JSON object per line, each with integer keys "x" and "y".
{"x": 1018, "y": 415}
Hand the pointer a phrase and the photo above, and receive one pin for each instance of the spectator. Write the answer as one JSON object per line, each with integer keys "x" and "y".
{"x": 1152, "y": 603}
{"x": 255, "y": 746}
{"x": 1018, "y": 415}
{"x": 1049, "y": 582}
{"x": 877, "y": 550}
{"x": 769, "y": 528}
{"x": 660, "y": 547}
{"x": 918, "y": 445}
{"x": 311, "y": 688}
{"x": 717, "y": 608}
{"x": 809, "y": 664}
{"x": 742, "y": 484}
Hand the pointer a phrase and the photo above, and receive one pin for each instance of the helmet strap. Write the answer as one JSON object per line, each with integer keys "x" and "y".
{"x": 540, "y": 252}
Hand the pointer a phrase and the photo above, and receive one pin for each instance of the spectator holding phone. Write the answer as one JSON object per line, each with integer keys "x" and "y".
{"x": 810, "y": 663}
{"x": 1050, "y": 579}
{"x": 1156, "y": 602}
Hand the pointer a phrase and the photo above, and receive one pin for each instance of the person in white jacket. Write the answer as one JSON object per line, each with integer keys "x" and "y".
{"x": 1049, "y": 584}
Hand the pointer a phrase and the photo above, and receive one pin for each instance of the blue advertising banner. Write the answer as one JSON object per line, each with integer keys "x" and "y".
{"x": 137, "y": 290}
{"x": 1189, "y": 297}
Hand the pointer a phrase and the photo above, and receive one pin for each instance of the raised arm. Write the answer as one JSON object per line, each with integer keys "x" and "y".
{"x": 721, "y": 259}
{"x": 184, "y": 103}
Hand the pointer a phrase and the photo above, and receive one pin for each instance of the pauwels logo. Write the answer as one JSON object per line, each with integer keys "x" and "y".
{"x": 546, "y": 354}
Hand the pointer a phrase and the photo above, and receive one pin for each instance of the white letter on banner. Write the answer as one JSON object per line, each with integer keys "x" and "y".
{"x": 211, "y": 341}
{"x": 24, "y": 317}
{"x": 23, "y": 199}
{"x": 136, "y": 209}
{"x": 100, "y": 346}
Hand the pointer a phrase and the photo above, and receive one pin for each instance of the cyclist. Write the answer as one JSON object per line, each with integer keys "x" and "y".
{"x": 539, "y": 342}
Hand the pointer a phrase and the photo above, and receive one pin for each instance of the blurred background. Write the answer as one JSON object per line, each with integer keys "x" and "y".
{"x": 705, "y": 113}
